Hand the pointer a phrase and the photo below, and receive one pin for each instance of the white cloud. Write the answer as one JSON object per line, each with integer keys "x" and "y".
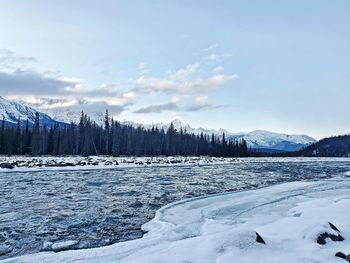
{"x": 218, "y": 57}
{"x": 211, "y": 47}
{"x": 10, "y": 61}
{"x": 202, "y": 99}
{"x": 52, "y": 91}
{"x": 218, "y": 69}
{"x": 183, "y": 82}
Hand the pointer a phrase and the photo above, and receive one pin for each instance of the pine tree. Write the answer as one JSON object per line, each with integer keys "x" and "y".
{"x": 36, "y": 149}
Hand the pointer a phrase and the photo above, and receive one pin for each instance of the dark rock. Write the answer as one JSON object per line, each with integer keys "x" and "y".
{"x": 175, "y": 161}
{"x": 321, "y": 239}
{"x": 341, "y": 255}
{"x": 259, "y": 239}
{"x": 64, "y": 164}
{"x": 7, "y": 165}
{"x": 336, "y": 237}
{"x": 333, "y": 227}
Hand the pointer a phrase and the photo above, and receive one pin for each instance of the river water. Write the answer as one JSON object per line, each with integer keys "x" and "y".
{"x": 100, "y": 207}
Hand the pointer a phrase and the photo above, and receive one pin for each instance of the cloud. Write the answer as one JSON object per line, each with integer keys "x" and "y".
{"x": 200, "y": 107}
{"x": 51, "y": 91}
{"x": 172, "y": 106}
{"x": 183, "y": 81}
{"x": 29, "y": 82}
{"x": 202, "y": 99}
{"x": 158, "y": 108}
{"x": 218, "y": 69}
{"x": 11, "y": 60}
{"x": 218, "y": 57}
{"x": 211, "y": 47}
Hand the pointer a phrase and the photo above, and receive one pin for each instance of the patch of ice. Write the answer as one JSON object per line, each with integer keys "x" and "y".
{"x": 63, "y": 245}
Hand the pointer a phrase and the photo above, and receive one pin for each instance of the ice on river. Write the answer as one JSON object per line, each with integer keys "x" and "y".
{"x": 221, "y": 228}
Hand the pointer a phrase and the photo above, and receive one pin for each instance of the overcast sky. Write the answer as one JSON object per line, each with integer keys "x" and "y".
{"x": 282, "y": 66}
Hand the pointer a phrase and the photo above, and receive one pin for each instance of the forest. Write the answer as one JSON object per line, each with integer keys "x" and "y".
{"x": 113, "y": 138}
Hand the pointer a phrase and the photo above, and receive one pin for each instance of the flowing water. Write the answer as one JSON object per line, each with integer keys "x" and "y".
{"x": 100, "y": 207}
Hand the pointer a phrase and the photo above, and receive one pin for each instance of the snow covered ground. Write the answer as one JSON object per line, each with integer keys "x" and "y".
{"x": 221, "y": 228}
{"x": 27, "y": 163}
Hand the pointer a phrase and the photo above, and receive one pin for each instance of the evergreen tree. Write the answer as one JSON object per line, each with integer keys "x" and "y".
{"x": 36, "y": 148}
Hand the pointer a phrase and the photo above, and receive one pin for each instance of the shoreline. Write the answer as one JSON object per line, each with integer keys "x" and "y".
{"x": 181, "y": 229}
{"x": 74, "y": 163}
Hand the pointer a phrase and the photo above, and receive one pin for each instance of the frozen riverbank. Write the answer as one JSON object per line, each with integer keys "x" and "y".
{"x": 27, "y": 163}
{"x": 289, "y": 217}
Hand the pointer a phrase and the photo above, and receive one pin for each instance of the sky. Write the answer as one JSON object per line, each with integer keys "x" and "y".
{"x": 282, "y": 66}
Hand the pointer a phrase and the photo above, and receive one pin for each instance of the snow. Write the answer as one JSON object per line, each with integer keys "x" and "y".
{"x": 271, "y": 140}
{"x": 40, "y": 163}
{"x": 221, "y": 228}
{"x": 12, "y": 111}
{"x": 255, "y": 139}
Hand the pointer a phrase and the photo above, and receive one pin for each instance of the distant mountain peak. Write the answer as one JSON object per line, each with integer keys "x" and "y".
{"x": 258, "y": 139}
{"x": 11, "y": 112}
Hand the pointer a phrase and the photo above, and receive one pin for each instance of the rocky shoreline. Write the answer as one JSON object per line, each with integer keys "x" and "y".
{"x": 50, "y": 162}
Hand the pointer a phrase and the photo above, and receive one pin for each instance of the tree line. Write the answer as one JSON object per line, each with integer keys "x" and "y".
{"x": 88, "y": 138}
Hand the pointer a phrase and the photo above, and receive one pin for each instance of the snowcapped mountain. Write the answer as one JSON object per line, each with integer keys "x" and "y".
{"x": 259, "y": 140}
{"x": 68, "y": 115}
{"x": 12, "y": 111}
{"x": 274, "y": 142}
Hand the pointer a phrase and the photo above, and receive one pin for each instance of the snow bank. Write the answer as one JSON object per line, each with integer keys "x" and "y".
{"x": 26, "y": 163}
{"x": 221, "y": 228}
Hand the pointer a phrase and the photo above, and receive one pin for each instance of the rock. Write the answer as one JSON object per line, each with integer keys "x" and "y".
{"x": 343, "y": 256}
{"x": 259, "y": 239}
{"x": 7, "y": 165}
{"x": 333, "y": 227}
{"x": 321, "y": 239}
{"x": 336, "y": 237}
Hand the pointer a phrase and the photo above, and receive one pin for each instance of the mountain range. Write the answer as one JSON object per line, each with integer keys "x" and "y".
{"x": 11, "y": 112}
{"x": 264, "y": 141}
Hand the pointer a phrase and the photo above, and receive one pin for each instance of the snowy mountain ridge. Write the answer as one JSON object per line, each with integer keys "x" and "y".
{"x": 11, "y": 112}
{"x": 259, "y": 139}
